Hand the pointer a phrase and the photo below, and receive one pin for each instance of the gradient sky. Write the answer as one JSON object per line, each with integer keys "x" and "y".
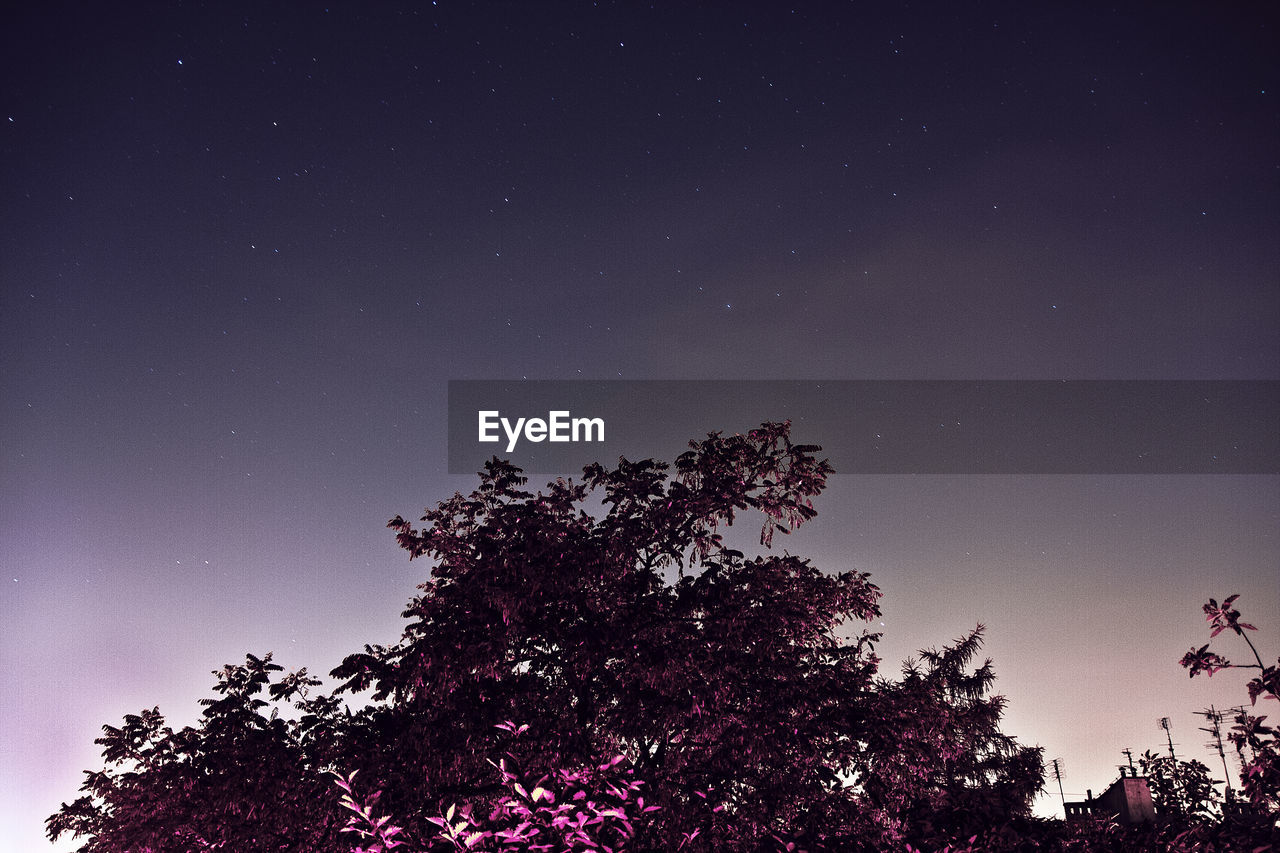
{"x": 243, "y": 247}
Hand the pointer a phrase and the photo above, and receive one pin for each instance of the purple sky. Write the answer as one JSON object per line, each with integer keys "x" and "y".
{"x": 243, "y": 249}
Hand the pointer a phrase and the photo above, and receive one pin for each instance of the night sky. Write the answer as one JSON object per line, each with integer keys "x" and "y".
{"x": 244, "y": 247}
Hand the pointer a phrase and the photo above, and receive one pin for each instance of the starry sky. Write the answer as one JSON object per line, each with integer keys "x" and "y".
{"x": 244, "y": 247}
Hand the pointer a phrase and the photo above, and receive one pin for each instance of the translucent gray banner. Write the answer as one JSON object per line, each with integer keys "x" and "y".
{"x": 881, "y": 426}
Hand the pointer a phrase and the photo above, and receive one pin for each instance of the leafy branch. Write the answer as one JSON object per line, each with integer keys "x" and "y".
{"x": 1225, "y": 617}
{"x": 1260, "y": 773}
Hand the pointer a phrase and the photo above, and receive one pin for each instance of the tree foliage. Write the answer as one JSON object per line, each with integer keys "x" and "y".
{"x": 1182, "y": 789}
{"x": 725, "y": 679}
{"x": 588, "y": 809}
{"x": 241, "y": 779}
{"x": 950, "y": 771}
{"x": 1257, "y": 744}
{"x": 741, "y": 692}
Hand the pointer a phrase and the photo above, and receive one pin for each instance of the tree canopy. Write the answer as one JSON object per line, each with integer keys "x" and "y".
{"x": 738, "y": 694}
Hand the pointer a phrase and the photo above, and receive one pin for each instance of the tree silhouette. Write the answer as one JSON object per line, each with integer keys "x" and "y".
{"x": 740, "y": 691}
{"x": 938, "y": 761}
{"x": 242, "y": 779}
{"x": 725, "y": 679}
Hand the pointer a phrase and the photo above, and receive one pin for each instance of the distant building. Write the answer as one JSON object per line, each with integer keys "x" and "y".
{"x": 1128, "y": 800}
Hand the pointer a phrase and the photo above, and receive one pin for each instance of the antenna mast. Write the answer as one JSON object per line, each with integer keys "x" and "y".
{"x": 1215, "y": 717}
{"x": 1164, "y": 724}
{"x": 1057, "y": 774}
{"x": 1173, "y": 760}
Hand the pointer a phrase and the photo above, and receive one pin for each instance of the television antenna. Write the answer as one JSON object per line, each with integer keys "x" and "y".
{"x": 1215, "y": 717}
{"x": 1168, "y": 733}
{"x": 1058, "y": 766}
